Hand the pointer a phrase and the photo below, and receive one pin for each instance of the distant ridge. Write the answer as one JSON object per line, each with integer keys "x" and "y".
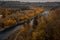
{"x": 18, "y": 4}
{"x": 9, "y": 3}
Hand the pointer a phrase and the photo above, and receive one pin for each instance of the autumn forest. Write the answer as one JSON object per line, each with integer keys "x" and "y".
{"x": 29, "y": 21}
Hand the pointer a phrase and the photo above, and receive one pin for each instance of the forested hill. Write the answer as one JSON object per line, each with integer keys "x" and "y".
{"x": 19, "y": 4}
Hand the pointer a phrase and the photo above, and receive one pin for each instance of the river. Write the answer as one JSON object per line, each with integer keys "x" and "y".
{"x": 8, "y": 32}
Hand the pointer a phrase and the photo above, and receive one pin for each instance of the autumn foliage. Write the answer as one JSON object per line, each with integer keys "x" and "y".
{"x": 44, "y": 27}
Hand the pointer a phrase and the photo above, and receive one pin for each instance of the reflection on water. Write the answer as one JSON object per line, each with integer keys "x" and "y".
{"x": 8, "y": 32}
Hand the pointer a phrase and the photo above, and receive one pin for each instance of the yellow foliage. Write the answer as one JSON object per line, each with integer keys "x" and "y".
{"x": 26, "y": 17}
{"x": 39, "y": 10}
{"x": 31, "y": 15}
{"x": 9, "y": 22}
{"x": 20, "y": 18}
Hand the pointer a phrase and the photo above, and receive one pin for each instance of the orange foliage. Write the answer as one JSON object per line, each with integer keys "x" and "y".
{"x": 39, "y": 10}
{"x": 9, "y": 22}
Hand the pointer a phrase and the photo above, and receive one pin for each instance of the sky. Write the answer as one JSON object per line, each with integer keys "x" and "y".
{"x": 34, "y": 0}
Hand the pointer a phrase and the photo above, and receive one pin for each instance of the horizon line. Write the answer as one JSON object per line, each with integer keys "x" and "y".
{"x": 35, "y": 1}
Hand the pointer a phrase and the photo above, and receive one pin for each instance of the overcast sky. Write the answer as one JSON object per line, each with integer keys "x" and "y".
{"x": 34, "y": 0}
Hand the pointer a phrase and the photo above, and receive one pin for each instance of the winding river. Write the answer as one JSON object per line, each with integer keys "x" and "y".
{"x": 9, "y": 31}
